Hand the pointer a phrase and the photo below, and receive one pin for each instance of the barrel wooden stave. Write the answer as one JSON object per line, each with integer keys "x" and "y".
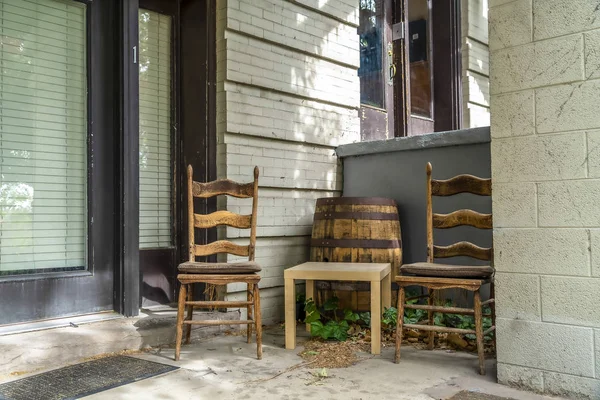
{"x": 335, "y": 226}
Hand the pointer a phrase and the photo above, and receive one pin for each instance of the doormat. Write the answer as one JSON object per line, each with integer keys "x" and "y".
{"x": 76, "y": 381}
{"x": 468, "y": 395}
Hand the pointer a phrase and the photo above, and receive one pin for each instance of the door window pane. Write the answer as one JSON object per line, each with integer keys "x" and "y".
{"x": 156, "y": 177}
{"x": 371, "y": 71}
{"x": 43, "y": 136}
{"x": 419, "y": 56}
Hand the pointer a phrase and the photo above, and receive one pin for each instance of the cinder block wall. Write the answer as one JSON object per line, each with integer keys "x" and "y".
{"x": 545, "y": 128}
{"x": 287, "y": 95}
{"x": 475, "y": 63}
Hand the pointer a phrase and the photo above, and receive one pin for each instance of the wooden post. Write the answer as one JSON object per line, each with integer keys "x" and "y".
{"x": 399, "y": 322}
{"x": 310, "y": 294}
{"x": 180, "y": 311}
{"x": 290, "y": 314}
{"x": 375, "y": 317}
{"x": 386, "y": 291}
{"x": 479, "y": 331}
{"x": 431, "y": 335}
{"x": 190, "y": 313}
{"x": 258, "y": 322}
{"x": 429, "y": 217}
{"x": 249, "y": 307}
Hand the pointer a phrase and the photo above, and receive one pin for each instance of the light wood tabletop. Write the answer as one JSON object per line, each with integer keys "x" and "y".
{"x": 378, "y": 274}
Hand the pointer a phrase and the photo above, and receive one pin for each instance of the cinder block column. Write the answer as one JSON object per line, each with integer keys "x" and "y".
{"x": 545, "y": 128}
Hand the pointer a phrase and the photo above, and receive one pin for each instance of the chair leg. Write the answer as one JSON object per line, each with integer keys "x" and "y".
{"x": 493, "y": 309}
{"x": 180, "y": 311}
{"x": 399, "y": 323}
{"x": 431, "y": 334}
{"x": 479, "y": 331}
{"x": 190, "y": 313}
{"x": 249, "y": 297}
{"x": 258, "y": 322}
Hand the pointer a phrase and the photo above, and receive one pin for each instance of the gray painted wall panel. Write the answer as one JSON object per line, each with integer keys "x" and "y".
{"x": 401, "y": 175}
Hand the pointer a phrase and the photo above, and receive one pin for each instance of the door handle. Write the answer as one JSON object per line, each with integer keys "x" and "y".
{"x": 392, "y": 69}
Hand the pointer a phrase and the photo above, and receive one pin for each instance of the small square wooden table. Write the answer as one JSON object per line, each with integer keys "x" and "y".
{"x": 379, "y": 274}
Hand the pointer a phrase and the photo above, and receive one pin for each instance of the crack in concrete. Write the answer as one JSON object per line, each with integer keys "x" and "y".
{"x": 569, "y": 97}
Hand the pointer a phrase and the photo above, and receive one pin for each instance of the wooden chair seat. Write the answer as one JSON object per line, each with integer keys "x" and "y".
{"x": 244, "y": 267}
{"x": 447, "y": 270}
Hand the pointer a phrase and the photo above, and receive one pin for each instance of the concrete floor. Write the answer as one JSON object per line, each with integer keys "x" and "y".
{"x": 225, "y": 367}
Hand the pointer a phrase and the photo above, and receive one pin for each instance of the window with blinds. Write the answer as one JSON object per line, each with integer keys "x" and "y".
{"x": 155, "y": 130}
{"x": 43, "y": 136}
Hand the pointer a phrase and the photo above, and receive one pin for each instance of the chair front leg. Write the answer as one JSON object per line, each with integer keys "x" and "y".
{"x": 431, "y": 335}
{"x": 479, "y": 331}
{"x": 399, "y": 322}
{"x": 180, "y": 311}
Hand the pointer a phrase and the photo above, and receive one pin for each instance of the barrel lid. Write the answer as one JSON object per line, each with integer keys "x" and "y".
{"x": 374, "y": 201}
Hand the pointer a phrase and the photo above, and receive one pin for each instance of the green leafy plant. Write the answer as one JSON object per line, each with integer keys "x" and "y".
{"x": 389, "y": 317}
{"x": 328, "y": 324}
{"x": 413, "y": 316}
{"x": 365, "y": 317}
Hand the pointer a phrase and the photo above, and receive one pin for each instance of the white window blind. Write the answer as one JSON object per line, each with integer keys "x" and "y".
{"x": 43, "y": 135}
{"x": 155, "y": 130}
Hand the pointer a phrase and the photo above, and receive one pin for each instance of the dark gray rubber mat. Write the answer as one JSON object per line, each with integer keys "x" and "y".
{"x": 79, "y": 380}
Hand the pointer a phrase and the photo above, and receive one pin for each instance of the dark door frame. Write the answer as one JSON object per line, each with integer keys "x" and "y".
{"x": 446, "y": 59}
{"x": 127, "y": 286}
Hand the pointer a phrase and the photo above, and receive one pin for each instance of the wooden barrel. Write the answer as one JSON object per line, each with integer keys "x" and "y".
{"x": 355, "y": 229}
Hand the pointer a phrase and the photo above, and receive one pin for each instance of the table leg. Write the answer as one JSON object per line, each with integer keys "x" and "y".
{"x": 290, "y": 314}
{"x": 386, "y": 291}
{"x": 375, "y": 317}
{"x": 310, "y": 294}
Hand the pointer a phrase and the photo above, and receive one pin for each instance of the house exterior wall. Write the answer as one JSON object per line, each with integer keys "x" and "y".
{"x": 475, "y": 63}
{"x": 545, "y": 168}
{"x": 287, "y": 94}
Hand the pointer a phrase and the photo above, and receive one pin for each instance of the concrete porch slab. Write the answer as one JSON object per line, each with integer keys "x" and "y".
{"x": 22, "y": 354}
{"x": 225, "y": 367}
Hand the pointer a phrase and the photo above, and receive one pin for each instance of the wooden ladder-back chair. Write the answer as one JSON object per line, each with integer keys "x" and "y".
{"x": 192, "y": 272}
{"x": 435, "y": 276}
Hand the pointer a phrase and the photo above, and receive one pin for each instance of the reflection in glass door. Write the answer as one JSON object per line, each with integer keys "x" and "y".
{"x": 419, "y": 37}
{"x": 43, "y": 137}
{"x": 157, "y": 151}
{"x": 156, "y": 174}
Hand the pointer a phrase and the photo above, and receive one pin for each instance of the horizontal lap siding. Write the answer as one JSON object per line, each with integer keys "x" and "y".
{"x": 287, "y": 94}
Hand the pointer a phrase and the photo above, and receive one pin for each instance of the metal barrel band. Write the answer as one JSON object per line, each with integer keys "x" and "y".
{"x": 375, "y": 216}
{"x": 368, "y": 201}
{"x": 357, "y": 243}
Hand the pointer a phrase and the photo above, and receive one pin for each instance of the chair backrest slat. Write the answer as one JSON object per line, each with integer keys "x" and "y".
{"x": 462, "y": 217}
{"x": 221, "y": 246}
{"x": 463, "y": 249}
{"x": 223, "y": 186}
{"x": 449, "y": 187}
{"x": 217, "y": 218}
{"x": 461, "y": 184}
{"x": 205, "y": 221}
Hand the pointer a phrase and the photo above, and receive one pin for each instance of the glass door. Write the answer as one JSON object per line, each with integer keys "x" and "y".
{"x": 157, "y": 151}
{"x": 57, "y": 141}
